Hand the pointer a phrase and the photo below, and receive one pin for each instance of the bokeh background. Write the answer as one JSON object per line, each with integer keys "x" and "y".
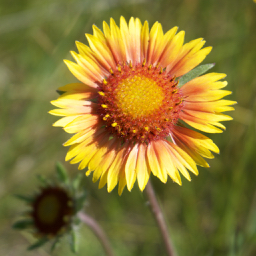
{"x": 215, "y": 214}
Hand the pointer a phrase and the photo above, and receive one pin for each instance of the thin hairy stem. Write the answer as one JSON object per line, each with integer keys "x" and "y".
{"x": 156, "y": 210}
{"x": 95, "y": 227}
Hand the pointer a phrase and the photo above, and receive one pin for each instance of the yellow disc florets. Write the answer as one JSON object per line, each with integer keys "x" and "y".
{"x": 139, "y": 103}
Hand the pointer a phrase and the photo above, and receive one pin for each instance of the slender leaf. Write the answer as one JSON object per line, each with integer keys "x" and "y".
{"x": 23, "y": 224}
{"x": 195, "y": 73}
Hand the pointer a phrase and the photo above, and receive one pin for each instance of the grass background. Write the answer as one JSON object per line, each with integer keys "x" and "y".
{"x": 215, "y": 214}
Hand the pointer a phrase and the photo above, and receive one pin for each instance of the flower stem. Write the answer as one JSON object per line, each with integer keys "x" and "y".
{"x": 156, "y": 210}
{"x": 95, "y": 227}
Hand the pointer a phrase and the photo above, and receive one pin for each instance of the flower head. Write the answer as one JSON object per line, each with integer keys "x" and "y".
{"x": 126, "y": 113}
{"x": 53, "y": 210}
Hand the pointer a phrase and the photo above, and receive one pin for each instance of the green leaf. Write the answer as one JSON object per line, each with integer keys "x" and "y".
{"x": 23, "y": 224}
{"x": 76, "y": 181}
{"x": 37, "y": 244}
{"x": 195, "y": 73}
{"x": 73, "y": 241}
{"x": 62, "y": 173}
{"x": 27, "y": 199}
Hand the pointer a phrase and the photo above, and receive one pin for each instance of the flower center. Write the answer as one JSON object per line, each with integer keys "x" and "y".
{"x": 48, "y": 209}
{"x": 139, "y": 96}
{"x": 139, "y": 103}
{"x": 52, "y": 210}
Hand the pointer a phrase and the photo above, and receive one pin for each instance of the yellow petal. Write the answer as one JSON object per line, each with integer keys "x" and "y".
{"x": 183, "y": 157}
{"x": 65, "y": 103}
{"x": 80, "y": 74}
{"x": 172, "y": 50}
{"x": 102, "y": 52}
{"x": 64, "y": 121}
{"x": 144, "y": 41}
{"x": 187, "y": 51}
{"x": 130, "y": 167}
{"x": 107, "y": 160}
{"x": 97, "y": 33}
{"x": 98, "y": 157}
{"x": 155, "y": 38}
{"x": 90, "y": 68}
{"x": 167, "y": 39}
{"x": 115, "y": 167}
{"x": 199, "y": 123}
{"x": 142, "y": 169}
{"x": 82, "y": 123}
{"x": 153, "y": 160}
{"x": 135, "y": 32}
{"x": 78, "y": 95}
{"x": 103, "y": 180}
{"x": 79, "y": 147}
{"x": 80, "y": 136}
{"x": 92, "y": 149}
{"x": 165, "y": 161}
{"x": 187, "y": 64}
{"x": 121, "y": 184}
{"x": 114, "y": 39}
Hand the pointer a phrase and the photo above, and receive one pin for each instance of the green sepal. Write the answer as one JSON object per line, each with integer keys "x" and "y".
{"x": 93, "y": 100}
{"x": 73, "y": 241}
{"x": 56, "y": 242}
{"x": 62, "y": 173}
{"x": 23, "y": 224}
{"x": 80, "y": 201}
{"x": 60, "y": 92}
{"x": 169, "y": 139}
{"x": 111, "y": 137}
{"x": 37, "y": 244}
{"x": 27, "y": 199}
{"x": 195, "y": 73}
{"x": 76, "y": 181}
{"x": 42, "y": 180}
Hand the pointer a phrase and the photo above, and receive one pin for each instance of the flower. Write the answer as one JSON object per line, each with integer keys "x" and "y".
{"x": 53, "y": 210}
{"x": 127, "y": 112}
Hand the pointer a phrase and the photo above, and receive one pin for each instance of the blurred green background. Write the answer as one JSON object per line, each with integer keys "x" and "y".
{"x": 215, "y": 214}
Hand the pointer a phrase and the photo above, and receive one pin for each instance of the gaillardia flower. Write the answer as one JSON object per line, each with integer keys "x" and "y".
{"x": 127, "y": 112}
{"x": 53, "y": 210}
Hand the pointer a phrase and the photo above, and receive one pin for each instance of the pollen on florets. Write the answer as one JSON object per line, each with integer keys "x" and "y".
{"x": 139, "y": 103}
